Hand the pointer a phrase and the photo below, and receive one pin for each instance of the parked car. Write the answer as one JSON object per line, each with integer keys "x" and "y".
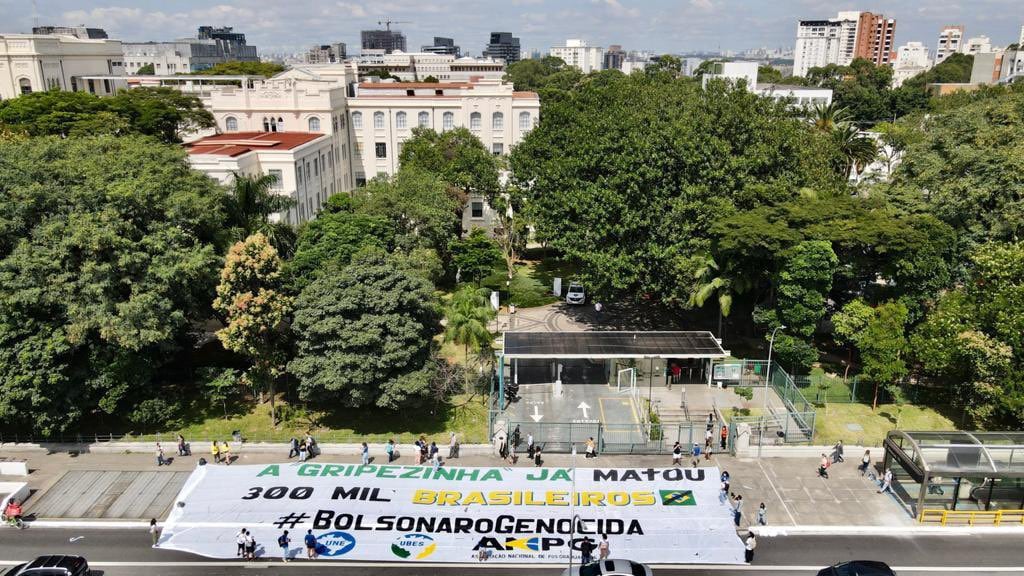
{"x": 858, "y": 568}
{"x": 575, "y": 294}
{"x": 609, "y": 568}
{"x": 53, "y": 565}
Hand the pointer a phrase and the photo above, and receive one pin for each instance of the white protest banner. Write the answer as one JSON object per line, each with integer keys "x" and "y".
{"x": 453, "y": 514}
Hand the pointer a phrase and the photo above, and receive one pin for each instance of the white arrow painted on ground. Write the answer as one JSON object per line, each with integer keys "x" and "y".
{"x": 536, "y": 414}
{"x": 583, "y": 406}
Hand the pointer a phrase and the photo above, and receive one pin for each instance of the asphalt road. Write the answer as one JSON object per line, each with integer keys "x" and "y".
{"x": 127, "y": 552}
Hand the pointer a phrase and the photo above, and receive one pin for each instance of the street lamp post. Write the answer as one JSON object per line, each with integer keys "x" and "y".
{"x": 572, "y": 507}
{"x": 767, "y": 379}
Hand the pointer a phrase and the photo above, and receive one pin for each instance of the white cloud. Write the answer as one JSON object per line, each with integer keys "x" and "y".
{"x": 702, "y": 4}
{"x": 617, "y": 9}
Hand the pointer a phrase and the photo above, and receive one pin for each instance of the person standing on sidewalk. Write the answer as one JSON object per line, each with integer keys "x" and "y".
{"x": 453, "y": 446}
{"x": 737, "y": 509}
{"x": 837, "y": 455}
{"x": 240, "y": 540}
{"x": 310, "y": 545}
{"x": 749, "y": 545}
{"x": 365, "y": 453}
{"x": 529, "y": 445}
{"x": 182, "y": 446}
{"x": 886, "y": 481}
{"x": 762, "y": 515}
{"x": 725, "y": 436}
{"x": 250, "y": 546}
{"x": 823, "y": 466}
{"x": 283, "y": 541}
{"x": 865, "y": 462}
{"x": 603, "y": 548}
{"x": 160, "y": 460}
{"x": 154, "y": 531}
{"x": 390, "y": 450}
{"x": 225, "y": 453}
{"x": 215, "y": 452}
{"x": 707, "y": 439}
{"x": 677, "y": 454}
{"x": 537, "y": 460}
{"x": 293, "y": 447}
{"x": 586, "y": 551}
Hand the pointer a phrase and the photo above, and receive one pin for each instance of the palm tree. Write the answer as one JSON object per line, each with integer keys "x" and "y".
{"x": 857, "y": 150}
{"x": 828, "y": 117}
{"x": 708, "y": 281}
{"x": 249, "y": 207}
{"x": 467, "y": 317}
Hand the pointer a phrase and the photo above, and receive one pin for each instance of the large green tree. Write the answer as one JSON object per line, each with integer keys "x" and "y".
{"x": 456, "y": 156}
{"x": 364, "y": 336}
{"x": 544, "y": 74}
{"x": 476, "y": 254}
{"x": 236, "y": 68}
{"x": 108, "y": 256}
{"x": 250, "y": 206}
{"x": 329, "y": 242}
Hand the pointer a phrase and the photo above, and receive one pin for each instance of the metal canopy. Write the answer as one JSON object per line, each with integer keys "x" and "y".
{"x": 612, "y": 345}
{"x": 958, "y": 454}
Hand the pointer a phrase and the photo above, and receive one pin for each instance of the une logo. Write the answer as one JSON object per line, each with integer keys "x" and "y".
{"x": 335, "y": 543}
{"x": 413, "y": 546}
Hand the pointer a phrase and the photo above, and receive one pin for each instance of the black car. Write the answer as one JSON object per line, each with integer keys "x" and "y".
{"x": 54, "y": 565}
{"x": 858, "y": 568}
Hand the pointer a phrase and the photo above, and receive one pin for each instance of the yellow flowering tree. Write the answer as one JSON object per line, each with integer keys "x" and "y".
{"x": 255, "y": 308}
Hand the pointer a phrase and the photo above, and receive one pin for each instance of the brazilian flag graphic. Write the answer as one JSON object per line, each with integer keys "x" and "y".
{"x": 677, "y": 498}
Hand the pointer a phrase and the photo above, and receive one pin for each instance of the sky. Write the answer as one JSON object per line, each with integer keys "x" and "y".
{"x": 657, "y": 25}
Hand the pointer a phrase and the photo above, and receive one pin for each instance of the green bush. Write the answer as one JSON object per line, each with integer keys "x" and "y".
{"x": 745, "y": 391}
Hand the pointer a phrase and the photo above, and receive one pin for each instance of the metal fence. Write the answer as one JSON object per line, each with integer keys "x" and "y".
{"x": 627, "y": 438}
{"x": 776, "y": 429}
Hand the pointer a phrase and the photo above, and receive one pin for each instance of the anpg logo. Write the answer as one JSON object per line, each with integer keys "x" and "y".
{"x": 335, "y": 543}
{"x": 526, "y": 544}
{"x": 413, "y": 546}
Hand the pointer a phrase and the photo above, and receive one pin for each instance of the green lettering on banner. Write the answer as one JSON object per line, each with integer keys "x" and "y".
{"x": 561, "y": 474}
{"x": 386, "y": 472}
{"x": 272, "y": 470}
{"x": 309, "y": 470}
{"x": 492, "y": 474}
{"x": 446, "y": 473}
{"x": 465, "y": 472}
{"x": 332, "y": 469}
{"x": 367, "y": 469}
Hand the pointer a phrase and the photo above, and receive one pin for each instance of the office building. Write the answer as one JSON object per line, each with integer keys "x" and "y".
{"x": 386, "y": 40}
{"x": 911, "y": 60}
{"x": 950, "y": 41}
{"x": 36, "y": 63}
{"x": 503, "y": 46}
{"x": 417, "y": 66}
{"x": 76, "y": 31}
{"x": 614, "y": 56}
{"x": 443, "y": 45}
{"x": 579, "y": 53}
{"x": 326, "y": 54}
{"x": 977, "y": 45}
{"x": 841, "y": 39}
{"x": 212, "y": 46}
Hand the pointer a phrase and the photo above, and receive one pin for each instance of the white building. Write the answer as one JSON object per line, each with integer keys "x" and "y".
{"x": 911, "y": 60}
{"x": 580, "y": 54}
{"x": 950, "y": 41}
{"x": 302, "y": 164}
{"x": 823, "y": 42}
{"x": 34, "y": 63}
{"x": 977, "y": 45}
{"x": 800, "y": 96}
{"x": 733, "y": 71}
{"x": 416, "y": 66}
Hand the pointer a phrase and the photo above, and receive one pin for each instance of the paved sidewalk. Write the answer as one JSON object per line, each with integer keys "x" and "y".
{"x": 789, "y": 487}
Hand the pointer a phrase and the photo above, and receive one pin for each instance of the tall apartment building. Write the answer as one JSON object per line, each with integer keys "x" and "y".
{"x": 950, "y": 41}
{"x": 35, "y": 63}
{"x": 326, "y": 54}
{"x": 443, "y": 45}
{"x": 504, "y": 46}
{"x": 386, "y": 40}
{"x": 911, "y": 60}
{"x": 76, "y": 31}
{"x": 841, "y": 39}
{"x": 614, "y": 56}
{"x": 579, "y": 53}
{"x": 1020, "y": 42}
{"x": 212, "y": 46}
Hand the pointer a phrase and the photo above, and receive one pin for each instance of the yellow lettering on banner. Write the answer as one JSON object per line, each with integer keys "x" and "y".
{"x": 499, "y": 498}
{"x": 309, "y": 470}
{"x": 474, "y": 498}
{"x": 643, "y": 499}
{"x": 448, "y": 498}
{"x": 424, "y": 497}
{"x": 529, "y": 501}
{"x": 591, "y": 498}
{"x": 557, "y": 498}
{"x": 618, "y": 498}
{"x": 517, "y": 498}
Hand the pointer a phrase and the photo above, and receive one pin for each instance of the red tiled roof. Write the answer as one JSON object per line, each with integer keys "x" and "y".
{"x": 238, "y": 143}
{"x": 524, "y": 95}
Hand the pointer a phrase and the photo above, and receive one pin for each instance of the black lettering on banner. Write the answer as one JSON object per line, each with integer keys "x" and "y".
{"x": 695, "y": 475}
{"x": 278, "y": 492}
{"x": 254, "y": 493}
{"x": 674, "y": 474}
{"x": 600, "y": 475}
{"x": 322, "y": 520}
{"x": 350, "y": 494}
{"x": 301, "y": 493}
{"x": 463, "y": 525}
{"x": 275, "y": 493}
{"x": 504, "y": 524}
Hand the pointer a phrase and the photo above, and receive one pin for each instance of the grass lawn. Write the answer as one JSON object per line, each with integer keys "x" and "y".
{"x": 831, "y": 424}
{"x": 531, "y": 286}
{"x": 465, "y": 414}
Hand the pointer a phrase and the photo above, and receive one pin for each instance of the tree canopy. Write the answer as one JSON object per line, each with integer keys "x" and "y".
{"x": 238, "y": 68}
{"x": 456, "y": 156}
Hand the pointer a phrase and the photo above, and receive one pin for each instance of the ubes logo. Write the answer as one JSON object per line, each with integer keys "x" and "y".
{"x": 413, "y": 546}
{"x": 335, "y": 543}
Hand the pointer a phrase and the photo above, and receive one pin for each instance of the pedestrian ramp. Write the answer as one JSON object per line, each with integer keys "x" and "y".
{"x": 109, "y": 494}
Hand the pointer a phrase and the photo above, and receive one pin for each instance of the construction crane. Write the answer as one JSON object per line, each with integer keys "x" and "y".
{"x": 388, "y": 23}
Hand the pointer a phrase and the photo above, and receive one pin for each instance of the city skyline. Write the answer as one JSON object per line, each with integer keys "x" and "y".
{"x": 656, "y": 25}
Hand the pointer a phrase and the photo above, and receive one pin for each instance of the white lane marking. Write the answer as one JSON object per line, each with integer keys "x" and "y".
{"x": 776, "y": 490}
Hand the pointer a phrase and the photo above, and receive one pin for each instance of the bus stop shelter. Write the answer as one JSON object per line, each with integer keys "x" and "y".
{"x": 956, "y": 470}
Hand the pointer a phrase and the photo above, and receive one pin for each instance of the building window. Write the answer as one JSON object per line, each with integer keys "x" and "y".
{"x": 280, "y": 124}
{"x": 378, "y": 120}
{"x": 497, "y": 148}
{"x": 341, "y": 121}
{"x": 334, "y": 123}
{"x": 278, "y": 176}
{"x": 314, "y": 124}
{"x": 524, "y": 120}
{"x": 498, "y": 121}
{"x": 316, "y": 166}
{"x": 357, "y": 119}
{"x": 360, "y": 181}
{"x": 400, "y": 121}
{"x": 448, "y": 121}
{"x": 231, "y": 124}
{"x": 477, "y": 210}
{"x": 381, "y": 150}
{"x": 298, "y": 174}
{"x": 474, "y": 121}
{"x": 424, "y": 120}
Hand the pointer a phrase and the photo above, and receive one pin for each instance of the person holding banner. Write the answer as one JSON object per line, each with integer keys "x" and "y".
{"x": 591, "y": 449}
{"x": 586, "y": 551}
{"x": 283, "y": 541}
{"x": 310, "y": 545}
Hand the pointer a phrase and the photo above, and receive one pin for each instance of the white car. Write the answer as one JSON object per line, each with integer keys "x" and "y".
{"x": 575, "y": 294}
{"x": 609, "y": 568}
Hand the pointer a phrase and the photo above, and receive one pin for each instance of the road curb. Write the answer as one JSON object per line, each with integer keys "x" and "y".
{"x": 771, "y": 531}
